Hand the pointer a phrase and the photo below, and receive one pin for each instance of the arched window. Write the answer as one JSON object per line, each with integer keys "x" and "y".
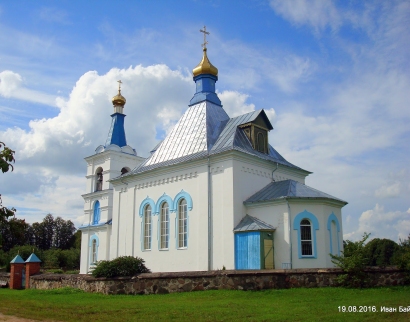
{"x": 99, "y": 179}
{"x": 147, "y": 227}
{"x": 164, "y": 226}
{"x": 334, "y": 230}
{"x": 306, "y": 238}
{"x": 94, "y": 243}
{"x": 306, "y": 225}
{"x": 182, "y": 224}
{"x": 96, "y": 214}
{"x": 94, "y": 251}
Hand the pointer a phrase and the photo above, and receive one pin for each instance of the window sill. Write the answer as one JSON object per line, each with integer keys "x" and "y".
{"x": 182, "y": 248}
{"x": 164, "y": 249}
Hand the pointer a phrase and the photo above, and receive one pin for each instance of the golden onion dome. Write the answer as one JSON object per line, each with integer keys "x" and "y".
{"x": 205, "y": 67}
{"x": 119, "y": 99}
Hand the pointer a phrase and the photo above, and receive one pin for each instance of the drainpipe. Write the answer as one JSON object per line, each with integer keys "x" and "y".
{"x": 277, "y": 166}
{"x": 209, "y": 216}
{"x": 290, "y": 232}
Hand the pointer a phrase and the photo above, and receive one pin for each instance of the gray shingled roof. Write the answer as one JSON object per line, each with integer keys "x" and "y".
{"x": 288, "y": 189}
{"x": 205, "y": 129}
{"x": 249, "y": 223}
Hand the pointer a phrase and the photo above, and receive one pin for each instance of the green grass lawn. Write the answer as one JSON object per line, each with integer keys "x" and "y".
{"x": 318, "y": 304}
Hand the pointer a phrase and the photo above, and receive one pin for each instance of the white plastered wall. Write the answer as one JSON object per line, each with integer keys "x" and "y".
{"x": 322, "y": 211}
{"x": 127, "y": 224}
{"x": 275, "y": 215}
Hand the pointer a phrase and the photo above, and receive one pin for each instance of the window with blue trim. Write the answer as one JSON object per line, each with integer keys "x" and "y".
{"x": 94, "y": 243}
{"x": 306, "y": 237}
{"x": 306, "y": 225}
{"x": 147, "y": 227}
{"x": 182, "y": 224}
{"x": 164, "y": 226}
{"x": 96, "y": 214}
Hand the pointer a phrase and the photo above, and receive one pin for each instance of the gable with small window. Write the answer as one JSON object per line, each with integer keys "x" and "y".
{"x": 257, "y": 132}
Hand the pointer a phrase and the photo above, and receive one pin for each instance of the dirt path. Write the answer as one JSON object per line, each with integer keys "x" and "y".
{"x": 11, "y": 318}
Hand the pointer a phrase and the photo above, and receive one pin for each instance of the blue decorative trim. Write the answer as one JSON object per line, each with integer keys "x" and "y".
{"x": 332, "y": 217}
{"x": 315, "y": 226}
{"x": 146, "y": 201}
{"x": 94, "y": 236}
{"x": 162, "y": 199}
{"x": 183, "y": 195}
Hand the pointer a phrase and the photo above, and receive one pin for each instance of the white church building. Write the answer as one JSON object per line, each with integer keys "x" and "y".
{"x": 213, "y": 194}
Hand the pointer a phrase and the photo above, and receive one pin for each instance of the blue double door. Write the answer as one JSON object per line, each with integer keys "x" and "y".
{"x": 254, "y": 250}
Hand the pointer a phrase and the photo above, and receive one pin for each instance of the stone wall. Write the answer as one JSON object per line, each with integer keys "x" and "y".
{"x": 4, "y": 279}
{"x": 161, "y": 283}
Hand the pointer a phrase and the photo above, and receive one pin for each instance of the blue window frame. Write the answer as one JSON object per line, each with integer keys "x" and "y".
{"x": 334, "y": 230}
{"x": 306, "y": 225}
{"x": 96, "y": 214}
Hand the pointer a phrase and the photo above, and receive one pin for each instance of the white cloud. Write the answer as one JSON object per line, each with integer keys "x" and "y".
{"x": 316, "y": 13}
{"x": 381, "y": 223}
{"x": 234, "y": 103}
{"x": 389, "y": 191}
{"x": 12, "y": 86}
{"x": 49, "y": 156}
{"x": 247, "y": 67}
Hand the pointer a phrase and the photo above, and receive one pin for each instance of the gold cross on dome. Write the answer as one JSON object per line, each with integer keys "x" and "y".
{"x": 205, "y": 33}
{"x": 119, "y": 85}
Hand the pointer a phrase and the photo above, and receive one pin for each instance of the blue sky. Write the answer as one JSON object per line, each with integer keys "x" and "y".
{"x": 333, "y": 77}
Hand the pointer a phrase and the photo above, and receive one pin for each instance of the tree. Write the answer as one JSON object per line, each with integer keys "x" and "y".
{"x": 63, "y": 233}
{"x": 6, "y": 160}
{"x": 382, "y": 252}
{"x": 57, "y": 233}
{"x": 13, "y": 233}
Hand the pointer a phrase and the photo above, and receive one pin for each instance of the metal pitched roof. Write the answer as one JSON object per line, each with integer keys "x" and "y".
{"x": 205, "y": 129}
{"x": 17, "y": 260}
{"x": 288, "y": 189}
{"x": 249, "y": 223}
{"x": 33, "y": 259}
{"x": 233, "y": 138}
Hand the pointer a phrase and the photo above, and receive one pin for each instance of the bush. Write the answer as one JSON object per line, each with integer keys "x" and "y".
{"x": 353, "y": 262}
{"x": 382, "y": 252}
{"x": 52, "y": 258}
{"x": 70, "y": 259}
{"x": 121, "y": 266}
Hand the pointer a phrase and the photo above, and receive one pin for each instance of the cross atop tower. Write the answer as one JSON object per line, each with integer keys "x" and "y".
{"x": 205, "y": 33}
{"x": 119, "y": 85}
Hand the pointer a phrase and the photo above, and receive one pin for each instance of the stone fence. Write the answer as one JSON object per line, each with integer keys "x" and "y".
{"x": 4, "y": 279}
{"x": 161, "y": 283}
